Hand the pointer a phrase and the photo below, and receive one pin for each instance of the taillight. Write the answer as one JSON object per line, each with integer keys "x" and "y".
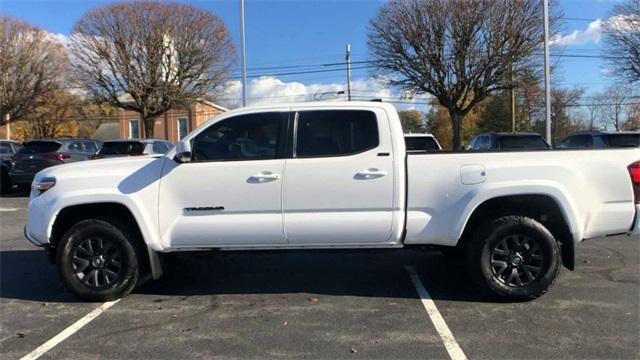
{"x": 634, "y": 172}
{"x": 57, "y": 156}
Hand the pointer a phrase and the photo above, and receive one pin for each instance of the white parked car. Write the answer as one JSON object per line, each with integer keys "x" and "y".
{"x": 329, "y": 175}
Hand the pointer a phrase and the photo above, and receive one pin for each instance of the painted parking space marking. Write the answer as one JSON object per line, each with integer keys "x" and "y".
{"x": 73, "y": 328}
{"x": 450, "y": 343}
{"x": 10, "y": 209}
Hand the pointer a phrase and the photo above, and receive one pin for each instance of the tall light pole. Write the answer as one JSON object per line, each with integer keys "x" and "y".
{"x": 7, "y": 126}
{"x": 348, "y": 58}
{"x": 244, "y": 55}
{"x": 547, "y": 80}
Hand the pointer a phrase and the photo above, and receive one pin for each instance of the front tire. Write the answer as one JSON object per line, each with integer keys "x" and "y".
{"x": 514, "y": 257}
{"x": 97, "y": 262}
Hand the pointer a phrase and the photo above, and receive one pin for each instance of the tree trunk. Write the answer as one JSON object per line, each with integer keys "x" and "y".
{"x": 456, "y": 120}
{"x": 149, "y": 124}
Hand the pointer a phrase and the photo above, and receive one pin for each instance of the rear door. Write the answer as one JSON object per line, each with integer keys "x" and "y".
{"x": 339, "y": 185}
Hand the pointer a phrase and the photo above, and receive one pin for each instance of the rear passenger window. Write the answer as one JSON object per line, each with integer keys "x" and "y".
{"x": 336, "y": 132}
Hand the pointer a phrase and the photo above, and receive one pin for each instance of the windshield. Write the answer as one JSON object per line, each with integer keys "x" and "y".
{"x": 121, "y": 148}
{"x": 39, "y": 147}
{"x": 522, "y": 142}
{"x": 421, "y": 143}
{"x": 623, "y": 140}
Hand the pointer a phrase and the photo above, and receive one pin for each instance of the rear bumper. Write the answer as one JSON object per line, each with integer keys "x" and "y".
{"x": 21, "y": 178}
{"x": 635, "y": 230}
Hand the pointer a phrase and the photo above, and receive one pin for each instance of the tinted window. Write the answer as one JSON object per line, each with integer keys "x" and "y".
{"x": 39, "y": 147}
{"x": 623, "y": 140}
{"x": 244, "y": 137}
{"x": 336, "y": 132}
{"x": 578, "y": 141}
{"x": 482, "y": 143}
{"x": 121, "y": 148}
{"x": 421, "y": 143}
{"x": 522, "y": 142}
{"x": 77, "y": 146}
{"x": 5, "y": 149}
{"x": 90, "y": 146}
{"x": 159, "y": 147}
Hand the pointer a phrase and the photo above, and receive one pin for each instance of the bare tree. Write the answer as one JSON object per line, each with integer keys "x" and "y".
{"x": 622, "y": 39}
{"x": 616, "y": 106}
{"x": 460, "y": 51}
{"x": 32, "y": 65}
{"x": 151, "y": 56}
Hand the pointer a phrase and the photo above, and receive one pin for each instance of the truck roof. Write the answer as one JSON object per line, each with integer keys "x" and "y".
{"x": 316, "y": 104}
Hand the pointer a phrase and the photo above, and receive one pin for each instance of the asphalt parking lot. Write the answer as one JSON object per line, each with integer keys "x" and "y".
{"x": 325, "y": 305}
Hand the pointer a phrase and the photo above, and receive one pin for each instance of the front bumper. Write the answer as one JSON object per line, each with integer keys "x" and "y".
{"x": 28, "y": 236}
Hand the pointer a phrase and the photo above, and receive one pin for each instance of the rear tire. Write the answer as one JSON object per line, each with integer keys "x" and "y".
{"x": 97, "y": 262}
{"x": 514, "y": 257}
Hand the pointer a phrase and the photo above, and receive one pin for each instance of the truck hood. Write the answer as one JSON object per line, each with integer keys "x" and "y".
{"x": 128, "y": 174}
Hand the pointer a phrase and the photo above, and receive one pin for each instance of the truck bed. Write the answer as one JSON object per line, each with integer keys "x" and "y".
{"x": 593, "y": 186}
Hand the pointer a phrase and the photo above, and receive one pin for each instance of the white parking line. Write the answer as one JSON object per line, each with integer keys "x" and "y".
{"x": 10, "y": 209}
{"x": 454, "y": 350}
{"x": 68, "y": 331}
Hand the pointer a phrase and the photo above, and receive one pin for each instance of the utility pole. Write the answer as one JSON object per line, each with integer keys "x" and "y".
{"x": 244, "y": 55}
{"x": 512, "y": 95}
{"x": 7, "y": 126}
{"x": 348, "y": 58}
{"x": 547, "y": 80}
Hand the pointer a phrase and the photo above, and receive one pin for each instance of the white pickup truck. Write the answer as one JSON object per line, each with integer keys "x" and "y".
{"x": 329, "y": 175}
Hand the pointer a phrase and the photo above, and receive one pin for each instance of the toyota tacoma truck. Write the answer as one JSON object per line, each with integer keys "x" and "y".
{"x": 329, "y": 175}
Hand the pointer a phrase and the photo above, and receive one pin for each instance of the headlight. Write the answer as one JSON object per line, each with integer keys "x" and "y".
{"x": 42, "y": 185}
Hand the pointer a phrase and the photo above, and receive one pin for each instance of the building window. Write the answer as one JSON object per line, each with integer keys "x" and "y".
{"x": 183, "y": 128}
{"x": 134, "y": 129}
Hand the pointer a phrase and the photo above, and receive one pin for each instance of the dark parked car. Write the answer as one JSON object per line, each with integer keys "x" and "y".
{"x": 421, "y": 142}
{"x": 508, "y": 141}
{"x": 8, "y": 148}
{"x": 36, "y": 155}
{"x": 133, "y": 147}
{"x": 601, "y": 140}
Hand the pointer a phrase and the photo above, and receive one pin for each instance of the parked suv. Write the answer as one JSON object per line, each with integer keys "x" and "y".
{"x": 508, "y": 141}
{"x": 7, "y": 149}
{"x": 36, "y": 155}
{"x": 132, "y": 147}
{"x": 601, "y": 140}
{"x": 421, "y": 142}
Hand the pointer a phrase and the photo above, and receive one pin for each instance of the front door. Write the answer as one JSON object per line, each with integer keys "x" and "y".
{"x": 230, "y": 193}
{"x": 339, "y": 185}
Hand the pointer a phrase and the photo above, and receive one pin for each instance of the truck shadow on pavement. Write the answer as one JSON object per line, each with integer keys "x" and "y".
{"x": 366, "y": 273}
{"x": 28, "y": 275}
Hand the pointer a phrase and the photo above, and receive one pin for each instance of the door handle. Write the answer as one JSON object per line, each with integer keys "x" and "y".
{"x": 370, "y": 173}
{"x": 264, "y": 177}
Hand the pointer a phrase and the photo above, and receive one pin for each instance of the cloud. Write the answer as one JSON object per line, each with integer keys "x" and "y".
{"x": 593, "y": 33}
{"x": 269, "y": 90}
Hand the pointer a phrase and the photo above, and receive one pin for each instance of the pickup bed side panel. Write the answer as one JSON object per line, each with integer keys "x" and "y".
{"x": 592, "y": 188}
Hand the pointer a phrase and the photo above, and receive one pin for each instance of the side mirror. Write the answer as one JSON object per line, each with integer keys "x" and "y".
{"x": 183, "y": 152}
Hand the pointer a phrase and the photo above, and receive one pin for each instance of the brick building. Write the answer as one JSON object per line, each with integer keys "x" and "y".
{"x": 173, "y": 125}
